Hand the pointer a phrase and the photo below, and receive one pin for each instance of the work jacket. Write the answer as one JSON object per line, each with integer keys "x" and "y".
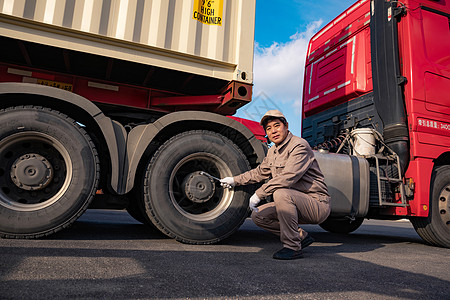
{"x": 289, "y": 165}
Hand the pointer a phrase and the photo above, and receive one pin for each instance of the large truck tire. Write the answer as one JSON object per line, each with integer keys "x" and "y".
{"x": 435, "y": 229}
{"x": 49, "y": 171}
{"x": 341, "y": 225}
{"x": 189, "y": 206}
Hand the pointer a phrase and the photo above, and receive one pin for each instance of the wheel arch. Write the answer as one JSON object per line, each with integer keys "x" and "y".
{"x": 144, "y": 140}
{"x": 108, "y": 135}
{"x": 443, "y": 159}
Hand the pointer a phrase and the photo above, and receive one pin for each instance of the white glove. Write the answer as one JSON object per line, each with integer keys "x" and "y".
{"x": 254, "y": 200}
{"x": 227, "y": 182}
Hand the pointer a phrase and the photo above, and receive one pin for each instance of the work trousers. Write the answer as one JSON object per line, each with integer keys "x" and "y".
{"x": 289, "y": 209}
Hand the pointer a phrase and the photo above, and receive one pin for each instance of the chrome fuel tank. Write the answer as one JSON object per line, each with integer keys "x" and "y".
{"x": 348, "y": 181}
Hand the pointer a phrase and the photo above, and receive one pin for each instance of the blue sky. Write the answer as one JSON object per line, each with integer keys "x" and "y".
{"x": 282, "y": 31}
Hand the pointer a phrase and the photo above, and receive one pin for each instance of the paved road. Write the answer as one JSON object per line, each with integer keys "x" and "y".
{"x": 107, "y": 254}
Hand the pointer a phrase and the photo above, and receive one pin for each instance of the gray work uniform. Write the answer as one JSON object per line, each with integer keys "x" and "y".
{"x": 299, "y": 191}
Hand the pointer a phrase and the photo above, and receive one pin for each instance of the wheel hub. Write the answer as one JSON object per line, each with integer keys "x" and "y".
{"x": 198, "y": 188}
{"x": 444, "y": 205}
{"x": 31, "y": 172}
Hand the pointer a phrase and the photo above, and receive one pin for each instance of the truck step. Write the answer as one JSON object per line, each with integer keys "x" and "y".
{"x": 387, "y": 181}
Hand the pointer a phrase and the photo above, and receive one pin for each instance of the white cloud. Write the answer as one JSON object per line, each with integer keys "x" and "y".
{"x": 278, "y": 71}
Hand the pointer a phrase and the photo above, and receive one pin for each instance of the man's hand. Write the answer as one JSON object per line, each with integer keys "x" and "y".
{"x": 254, "y": 200}
{"x": 227, "y": 182}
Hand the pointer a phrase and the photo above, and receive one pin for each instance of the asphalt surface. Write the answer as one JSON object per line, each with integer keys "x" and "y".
{"x": 108, "y": 255}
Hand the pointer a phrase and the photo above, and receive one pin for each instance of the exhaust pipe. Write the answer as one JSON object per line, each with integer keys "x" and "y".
{"x": 387, "y": 79}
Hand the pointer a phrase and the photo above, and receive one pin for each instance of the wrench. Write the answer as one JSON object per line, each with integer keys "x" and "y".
{"x": 218, "y": 179}
{"x": 210, "y": 176}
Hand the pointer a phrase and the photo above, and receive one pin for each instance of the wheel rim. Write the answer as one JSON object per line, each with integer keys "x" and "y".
{"x": 196, "y": 196}
{"x": 35, "y": 171}
{"x": 444, "y": 206}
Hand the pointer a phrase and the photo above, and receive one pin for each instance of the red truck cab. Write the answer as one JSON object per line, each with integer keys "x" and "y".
{"x": 385, "y": 66}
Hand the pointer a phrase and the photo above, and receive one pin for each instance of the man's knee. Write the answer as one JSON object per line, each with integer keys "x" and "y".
{"x": 281, "y": 195}
{"x": 283, "y": 201}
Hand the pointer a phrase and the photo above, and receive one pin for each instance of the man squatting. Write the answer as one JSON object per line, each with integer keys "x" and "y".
{"x": 300, "y": 195}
